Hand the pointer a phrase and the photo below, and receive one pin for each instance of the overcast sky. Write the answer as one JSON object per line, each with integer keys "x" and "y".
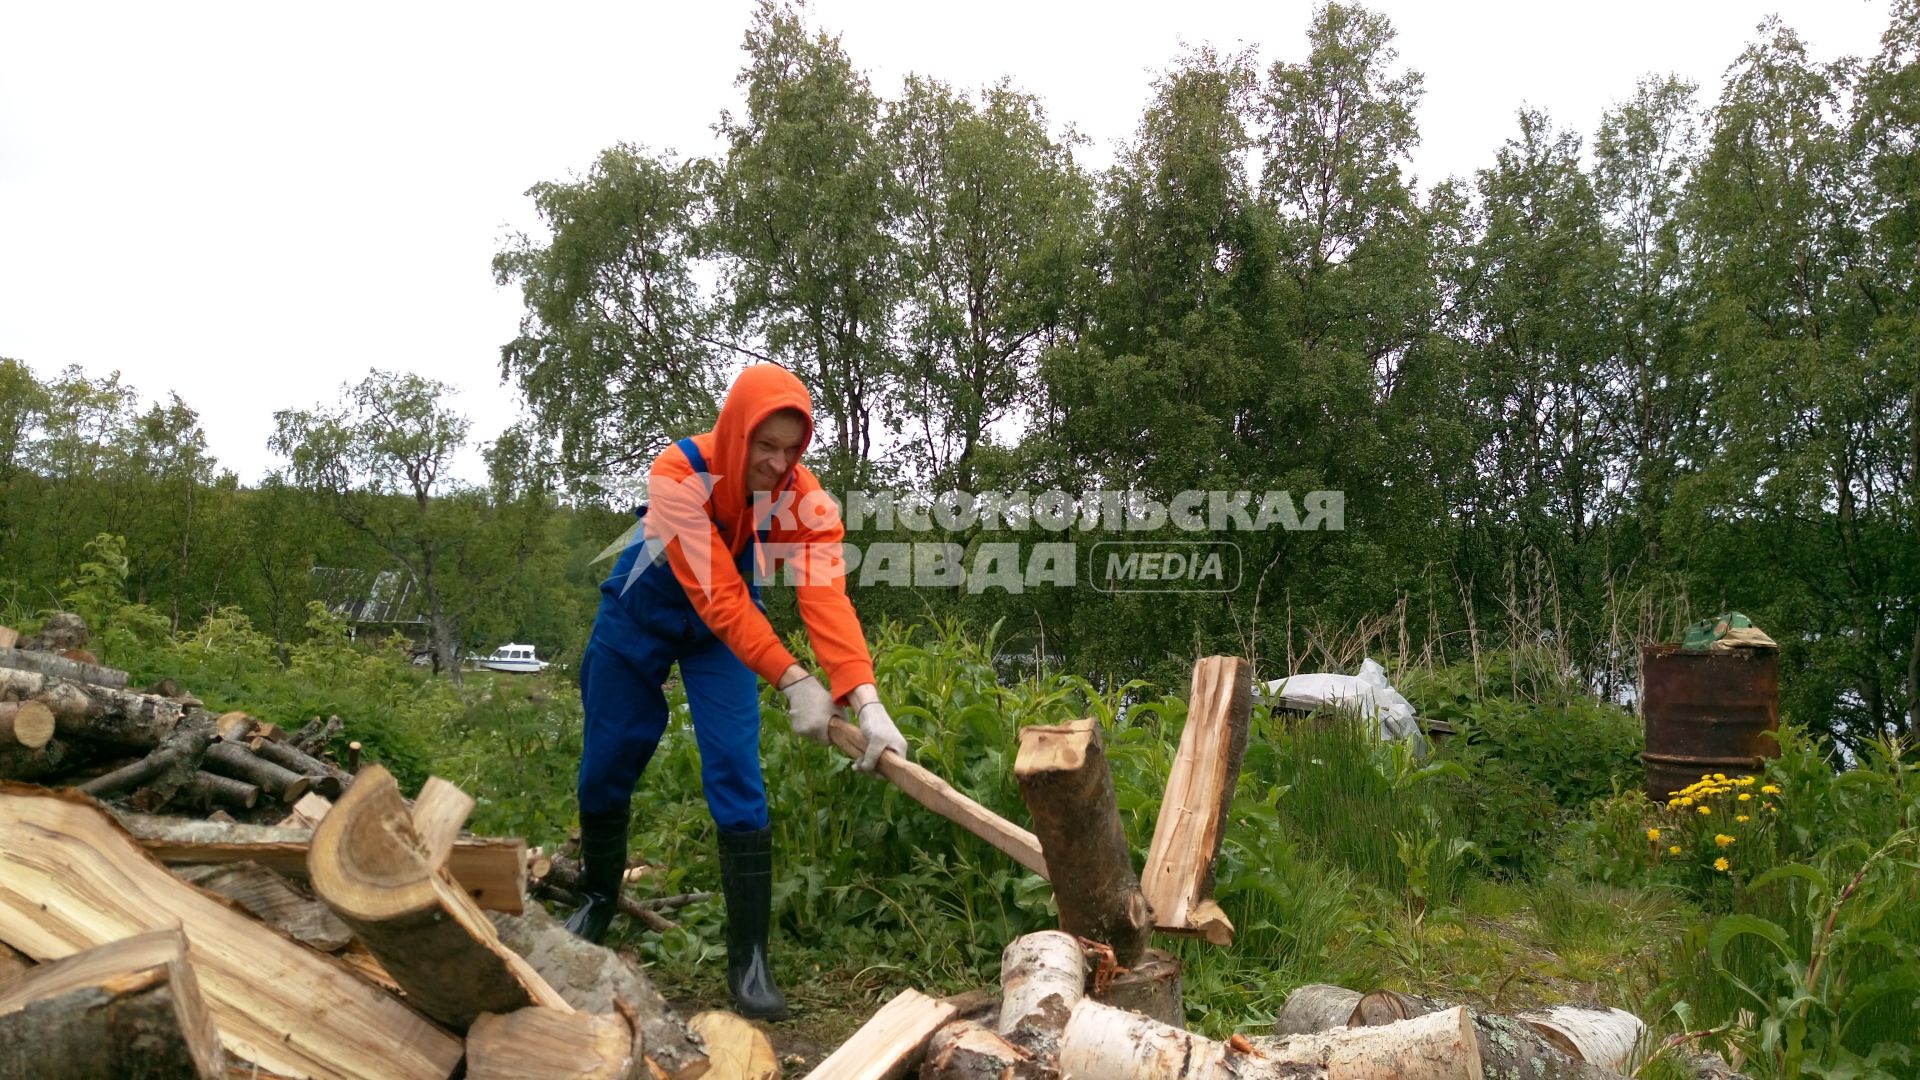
{"x": 250, "y": 204}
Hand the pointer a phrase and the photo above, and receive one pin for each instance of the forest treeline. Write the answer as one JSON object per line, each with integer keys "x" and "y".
{"x": 1612, "y": 382}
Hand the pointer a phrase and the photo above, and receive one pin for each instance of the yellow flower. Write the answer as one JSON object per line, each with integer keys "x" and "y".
{"x": 1706, "y": 809}
{"x": 1653, "y": 834}
{"x": 1719, "y": 776}
{"x": 1720, "y": 864}
{"x": 1685, "y": 800}
{"x": 1772, "y": 809}
{"x": 1674, "y": 850}
{"x": 1769, "y": 789}
{"x": 1671, "y": 803}
{"x": 1746, "y": 781}
{"x": 1722, "y": 839}
{"x": 1745, "y": 797}
{"x": 1742, "y": 818}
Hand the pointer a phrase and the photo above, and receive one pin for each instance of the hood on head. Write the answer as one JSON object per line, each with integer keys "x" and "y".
{"x": 758, "y": 392}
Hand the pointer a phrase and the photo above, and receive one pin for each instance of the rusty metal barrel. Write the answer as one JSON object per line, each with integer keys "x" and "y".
{"x": 1707, "y": 712}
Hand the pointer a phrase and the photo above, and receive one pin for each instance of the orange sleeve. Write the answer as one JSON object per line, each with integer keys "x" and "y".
{"x": 677, "y": 514}
{"x": 821, "y": 589}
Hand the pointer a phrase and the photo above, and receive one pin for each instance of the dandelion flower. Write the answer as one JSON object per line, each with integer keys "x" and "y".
{"x": 1769, "y": 789}
{"x": 1719, "y": 776}
{"x": 1722, "y": 839}
{"x": 1746, "y": 781}
{"x": 1746, "y": 797}
{"x": 1705, "y": 809}
{"x": 1742, "y": 818}
{"x": 1653, "y": 834}
{"x": 1686, "y": 800}
{"x": 1674, "y": 850}
{"x": 1720, "y": 864}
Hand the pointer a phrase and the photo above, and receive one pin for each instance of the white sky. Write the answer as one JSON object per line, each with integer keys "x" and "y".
{"x": 250, "y": 204}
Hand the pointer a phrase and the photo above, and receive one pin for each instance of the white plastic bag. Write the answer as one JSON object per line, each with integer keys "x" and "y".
{"x": 1367, "y": 694}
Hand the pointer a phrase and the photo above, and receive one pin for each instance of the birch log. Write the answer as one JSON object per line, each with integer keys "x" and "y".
{"x": 1597, "y": 1036}
{"x": 967, "y": 1050}
{"x": 1315, "y": 1007}
{"x": 1042, "y": 977}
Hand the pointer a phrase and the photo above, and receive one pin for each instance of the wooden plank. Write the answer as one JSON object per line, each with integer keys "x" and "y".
{"x": 890, "y": 1043}
{"x": 438, "y": 814}
{"x": 129, "y": 1008}
{"x": 492, "y": 869}
{"x": 929, "y": 790}
{"x": 71, "y": 879}
{"x": 47, "y": 663}
{"x": 372, "y": 869}
{"x": 537, "y": 1042}
{"x": 1178, "y": 877}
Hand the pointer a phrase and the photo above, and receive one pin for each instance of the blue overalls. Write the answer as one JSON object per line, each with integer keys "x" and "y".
{"x": 640, "y": 632}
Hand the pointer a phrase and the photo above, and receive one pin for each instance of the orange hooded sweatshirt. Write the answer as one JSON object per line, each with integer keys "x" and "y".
{"x": 692, "y": 524}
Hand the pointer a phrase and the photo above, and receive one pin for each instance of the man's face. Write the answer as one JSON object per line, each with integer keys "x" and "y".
{"x": 772, "y": 449}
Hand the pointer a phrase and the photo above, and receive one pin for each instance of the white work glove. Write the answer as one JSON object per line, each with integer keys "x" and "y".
{"x": 810, "y": 706}
{"x": 881, "y": 734}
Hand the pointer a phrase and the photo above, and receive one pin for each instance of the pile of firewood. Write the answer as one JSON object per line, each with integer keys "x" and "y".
{"x": 333, "y": 929}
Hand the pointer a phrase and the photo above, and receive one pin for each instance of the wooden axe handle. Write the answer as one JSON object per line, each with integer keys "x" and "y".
{"x": 927, "y": 789}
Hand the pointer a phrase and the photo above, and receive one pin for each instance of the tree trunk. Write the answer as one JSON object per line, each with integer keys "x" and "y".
{"x": 890, "y": 1043}
{"x": 965, "y": 1050}
{"x": 1068, "y": 788}
{"x": 551, "y": 1042}
{"x": 370, "y": 867}
{"x": 737, "y": 1049}
{"x": 70, "y": 880}
{"x": 1042, "y": 977}
{"x": 1315, "y": 1007}
{"x": 130, "y": 1008}
{"x": 492, "y": 869}
{"x": 1199, "y": 802}
{"x": 1151, "y": 988}
{"x": 595, "y": 979}
{"x": 273, "y": 900}
{"x": 62, "y": 668}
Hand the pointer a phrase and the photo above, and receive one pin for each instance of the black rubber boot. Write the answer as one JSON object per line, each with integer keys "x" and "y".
{"x": 603, "y": 863}
{"x": 746, "y": 878}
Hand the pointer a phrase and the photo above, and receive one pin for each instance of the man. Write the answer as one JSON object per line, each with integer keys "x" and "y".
{"x": 684, "y": 591}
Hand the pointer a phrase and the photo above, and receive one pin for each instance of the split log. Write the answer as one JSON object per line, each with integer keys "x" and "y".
{"x": 170, "y": 768}
{"x": 1598, "y": 1036}
{"x": 129, "y": 1008}
{"x": 9, "y": 637}
{"x": 370, "y": 867}
{"x": 1178, "y": 877}
{"x": 736, "y": 1049}
{"x": 63, "y": 630}
{"x": 236, "y": 761}
{"x": 71, "y": 879}
{"x": 1068, "y": 788}
{"x": 81, "y": 710}
{"x": 929, "y": 790}
{"x": 1117, "y": 1045}
{"x": 492, "y": 869}
{"x": 438, "y": 813}
{"x": 890, "y": 1043}
{"x": 308, "y": 811}
{"x": 25, "y": 723}
{"x": 207, "y": 788}
{"x": 61, "y": 667}
{"x": 273, "y": 900}
{"x": 13, "y": 963}
{"x": 593, "y": 978}
{"x": 965, "y": 1050}
{"x": 1380, "y": 1007}
{"x": 551, "y": 1042}
{"x": 1042, "y": 977}
{"x": 1315, "y": 1007}
{"x": 1150, "y": 987}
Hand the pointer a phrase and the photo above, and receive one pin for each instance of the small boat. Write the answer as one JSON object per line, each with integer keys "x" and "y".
{"x": 514, "y": 658}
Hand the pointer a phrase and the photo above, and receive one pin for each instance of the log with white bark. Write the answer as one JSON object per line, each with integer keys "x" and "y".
{"x": 71, "y": 879}
{"x": 61, "y": 667}
{"x": 736, "y": 1049}
{"x": 596, "y": 979}
{"x": 1598, "y": 1036}
{"x": 492, "y": 869}
{"x": 129, "y": 1008}
{"x": 61, "y": 631}
{"x": 1315, "y": 1007}
{"x": 890, "y": 1043}
{"x": 565, "y": 1045}
{"x": 929, "y": 790}
{"x": 968, "y": 1050}
{"x": 1150, "y": 987}
{"x": 236, "y": 761}
{"x": 1114, "y": 1044}
{"x": 1042, "y": 977}
{"x": 1178, "y": 876}
{"x": 1509, "y": 1048}
{"x": 26, "y": 724}
{"x": 1378, "y": 1007}
{"x": 273, "y": 900}
{"x": 372, "y": 869}
{"x": 1063, "y": 776}
{"x": 83, "y": 711}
